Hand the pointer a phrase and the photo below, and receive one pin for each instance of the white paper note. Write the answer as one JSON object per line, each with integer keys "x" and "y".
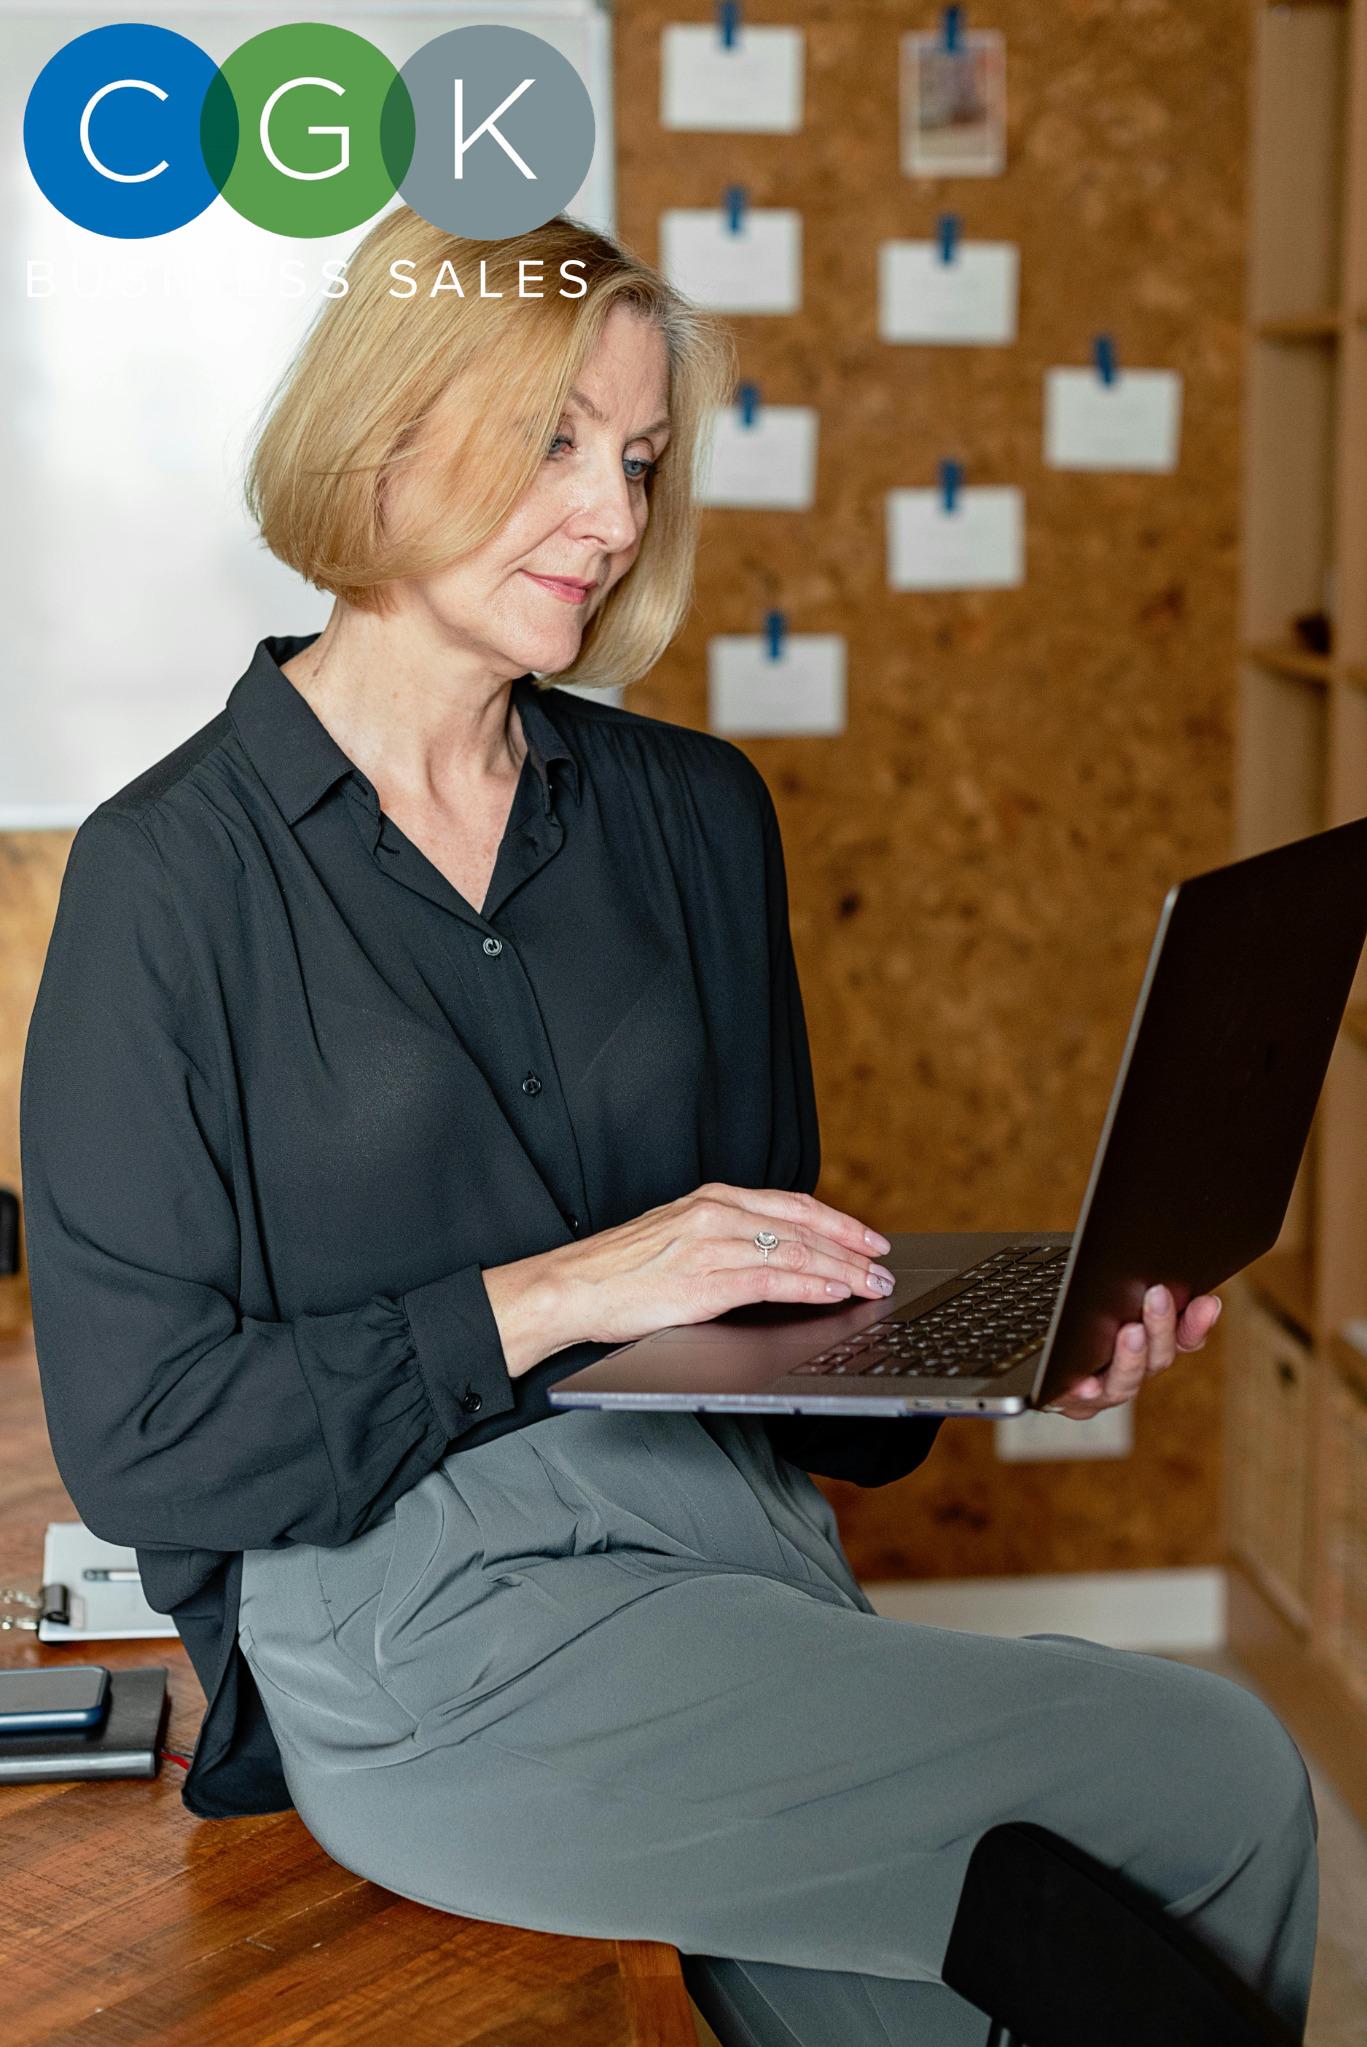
{"x": 802, "y": 691}
{"x": 771, "y": 462}
{"x": 755, "y": 85}
{"x": 1132, "y": 423}
{"x": 1036, "y": 1437}
{"x": 970, "y": 298}
{"x": 980, "y": 545}
{"x": 756, "y": 270}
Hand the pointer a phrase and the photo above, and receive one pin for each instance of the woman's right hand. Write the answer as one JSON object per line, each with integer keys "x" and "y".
{"x": 685, "y": 1261}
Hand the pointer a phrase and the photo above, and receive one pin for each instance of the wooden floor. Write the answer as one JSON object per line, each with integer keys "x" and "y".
{"x": 124, "y": 1919}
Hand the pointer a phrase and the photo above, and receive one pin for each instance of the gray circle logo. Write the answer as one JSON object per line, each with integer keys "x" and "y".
{"x": 504, "y": 132}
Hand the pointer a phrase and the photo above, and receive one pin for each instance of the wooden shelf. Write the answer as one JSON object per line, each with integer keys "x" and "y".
{"x": 1287, "y": 659}
{"x": 1325, "y": 326}
{"x": 1285, "y": 1280}
{"x": 1306, "y": 1692}
{"x": 1295, "y": 1527}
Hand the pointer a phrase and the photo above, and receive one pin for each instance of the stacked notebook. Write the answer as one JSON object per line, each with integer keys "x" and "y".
{"x": 76, "y": 1608}
{"x": 125, "y": 1744}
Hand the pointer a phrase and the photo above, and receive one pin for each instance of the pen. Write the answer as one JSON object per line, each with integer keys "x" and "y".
{"x": 121, "y": 1574}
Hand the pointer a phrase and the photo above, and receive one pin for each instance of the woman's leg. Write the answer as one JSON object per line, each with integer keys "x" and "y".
{"x": 762, "y": 2004}
{"x": 760, "y": 1775}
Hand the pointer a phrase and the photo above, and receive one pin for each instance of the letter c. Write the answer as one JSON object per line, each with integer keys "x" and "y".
{"x": 119, "y": 177}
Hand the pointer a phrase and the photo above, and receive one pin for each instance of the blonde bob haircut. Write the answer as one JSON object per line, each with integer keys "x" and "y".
{"x": 349, "y": 413}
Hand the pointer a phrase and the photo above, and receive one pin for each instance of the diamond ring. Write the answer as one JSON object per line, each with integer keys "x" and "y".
{"x": 766, "y": 1241}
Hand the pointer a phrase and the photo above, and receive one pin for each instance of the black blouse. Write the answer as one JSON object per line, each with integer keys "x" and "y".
{"x": 285, "y": 1094}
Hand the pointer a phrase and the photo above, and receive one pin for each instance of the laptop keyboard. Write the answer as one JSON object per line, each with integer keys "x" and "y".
{"x": 998, "y": 1315}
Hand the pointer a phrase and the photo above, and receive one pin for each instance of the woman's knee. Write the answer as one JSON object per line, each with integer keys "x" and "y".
{"x": 1270, "y": 1769}
{"x": 1230, "y": 1769}
{"x": 1210, "y": 1758}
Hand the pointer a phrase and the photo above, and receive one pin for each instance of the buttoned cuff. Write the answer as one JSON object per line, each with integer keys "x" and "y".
{"x": 458, "y": 1349}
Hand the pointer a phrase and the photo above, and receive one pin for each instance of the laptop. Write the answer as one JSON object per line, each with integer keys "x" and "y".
{"x": 1248, "y": 977}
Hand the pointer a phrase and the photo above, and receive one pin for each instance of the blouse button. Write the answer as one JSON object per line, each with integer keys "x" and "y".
{"x": 493, "y": 946}
{"x": 531, "y": 1085}
{"x": 470, "y": 1401}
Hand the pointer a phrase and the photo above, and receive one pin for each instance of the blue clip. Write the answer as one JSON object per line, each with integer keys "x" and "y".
{"x": 951, "y": 476}
{"x": 735, "y": 207}
{"x": 953, "y": 24}
{"x": 1103, "y": 355}
{"x": 749, "y": 403}
{"x": 947, "y": 229}
{"x": 728, "y": 22}
{"x": 775, "y": 625}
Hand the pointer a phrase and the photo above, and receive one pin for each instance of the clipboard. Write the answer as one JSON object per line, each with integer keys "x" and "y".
{"x": 71, "y": 1608}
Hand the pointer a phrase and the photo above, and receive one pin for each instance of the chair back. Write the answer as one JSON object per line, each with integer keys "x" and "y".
{"x": 1063, "y": 1952}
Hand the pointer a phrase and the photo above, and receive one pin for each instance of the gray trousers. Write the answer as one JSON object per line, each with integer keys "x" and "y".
{"x": 611, "y": 1675}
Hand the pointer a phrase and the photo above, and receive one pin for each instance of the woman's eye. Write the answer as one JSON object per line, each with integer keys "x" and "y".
{"x": 637, "y": 467}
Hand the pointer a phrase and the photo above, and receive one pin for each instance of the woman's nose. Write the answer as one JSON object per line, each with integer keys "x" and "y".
{"x": 607, "y": 515}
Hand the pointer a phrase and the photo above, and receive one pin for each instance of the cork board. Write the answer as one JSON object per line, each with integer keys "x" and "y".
{"x": 31, "y": 865}
{"x": 976, "y": 866}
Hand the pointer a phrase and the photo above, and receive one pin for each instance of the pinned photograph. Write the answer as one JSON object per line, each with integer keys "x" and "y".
{"x": 954, "y": 104}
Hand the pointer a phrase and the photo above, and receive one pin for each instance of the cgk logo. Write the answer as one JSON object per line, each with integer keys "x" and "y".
{"x": 131, "y": 130}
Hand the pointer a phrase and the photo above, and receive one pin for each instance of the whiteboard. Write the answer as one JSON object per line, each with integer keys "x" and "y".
{"x": 133, "y": 588}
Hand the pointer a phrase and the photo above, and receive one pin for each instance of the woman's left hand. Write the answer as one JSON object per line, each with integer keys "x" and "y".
{"x": 1141, "y": 1349}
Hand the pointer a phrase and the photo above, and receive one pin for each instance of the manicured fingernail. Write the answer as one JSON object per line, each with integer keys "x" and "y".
{"x": 875, "y": 1242}
{"x": 1159, "y": 1299}
{"x": 837, "y": 1287}
{"x": 1219, "y": 1310}
{"x": 1133, "y": 1339}
{"x": 883, "y": 1276}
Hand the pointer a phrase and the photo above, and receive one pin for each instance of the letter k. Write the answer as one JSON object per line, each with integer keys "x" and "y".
{"x": 463, "y": 142}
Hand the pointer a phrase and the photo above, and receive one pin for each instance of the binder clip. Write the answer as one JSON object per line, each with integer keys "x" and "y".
{"x": 49, "y": 1604}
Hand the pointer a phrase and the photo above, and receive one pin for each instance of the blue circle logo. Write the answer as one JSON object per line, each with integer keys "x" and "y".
{"x": 112, "y": 130}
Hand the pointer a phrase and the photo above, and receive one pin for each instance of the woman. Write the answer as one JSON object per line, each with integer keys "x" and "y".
{"x": 411, "y": 1031}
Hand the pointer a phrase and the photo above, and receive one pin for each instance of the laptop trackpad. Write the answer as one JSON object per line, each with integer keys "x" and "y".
{"x": 815, "y": 1327}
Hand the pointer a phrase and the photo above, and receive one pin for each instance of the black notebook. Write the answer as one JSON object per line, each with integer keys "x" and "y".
{"x": 125, "y": 1744}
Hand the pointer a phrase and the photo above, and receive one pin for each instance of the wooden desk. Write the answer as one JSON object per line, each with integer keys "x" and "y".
{"x": 124, "y": 1919}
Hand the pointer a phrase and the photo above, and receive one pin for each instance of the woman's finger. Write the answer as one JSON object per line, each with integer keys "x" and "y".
{"x": 798, "y": 1253}
{"x": 1129, "y": 1365}
{"x": 804, "y": 1210}
{"x": 1160, "y": 1325}
{"x": 1199, "y": 1317}
{"x": 735, "y": 1286}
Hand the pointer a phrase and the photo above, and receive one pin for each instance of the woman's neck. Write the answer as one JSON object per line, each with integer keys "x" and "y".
{"x": 426, "y": 722}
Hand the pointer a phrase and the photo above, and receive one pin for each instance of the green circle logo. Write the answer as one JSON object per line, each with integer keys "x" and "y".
{"x": 307, "y": 130}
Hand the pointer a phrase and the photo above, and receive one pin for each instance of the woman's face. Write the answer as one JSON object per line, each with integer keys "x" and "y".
{"x": 581, "y": 518}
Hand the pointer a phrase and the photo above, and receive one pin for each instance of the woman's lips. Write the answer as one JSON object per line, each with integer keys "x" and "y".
{"x": 568, "y": 593}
